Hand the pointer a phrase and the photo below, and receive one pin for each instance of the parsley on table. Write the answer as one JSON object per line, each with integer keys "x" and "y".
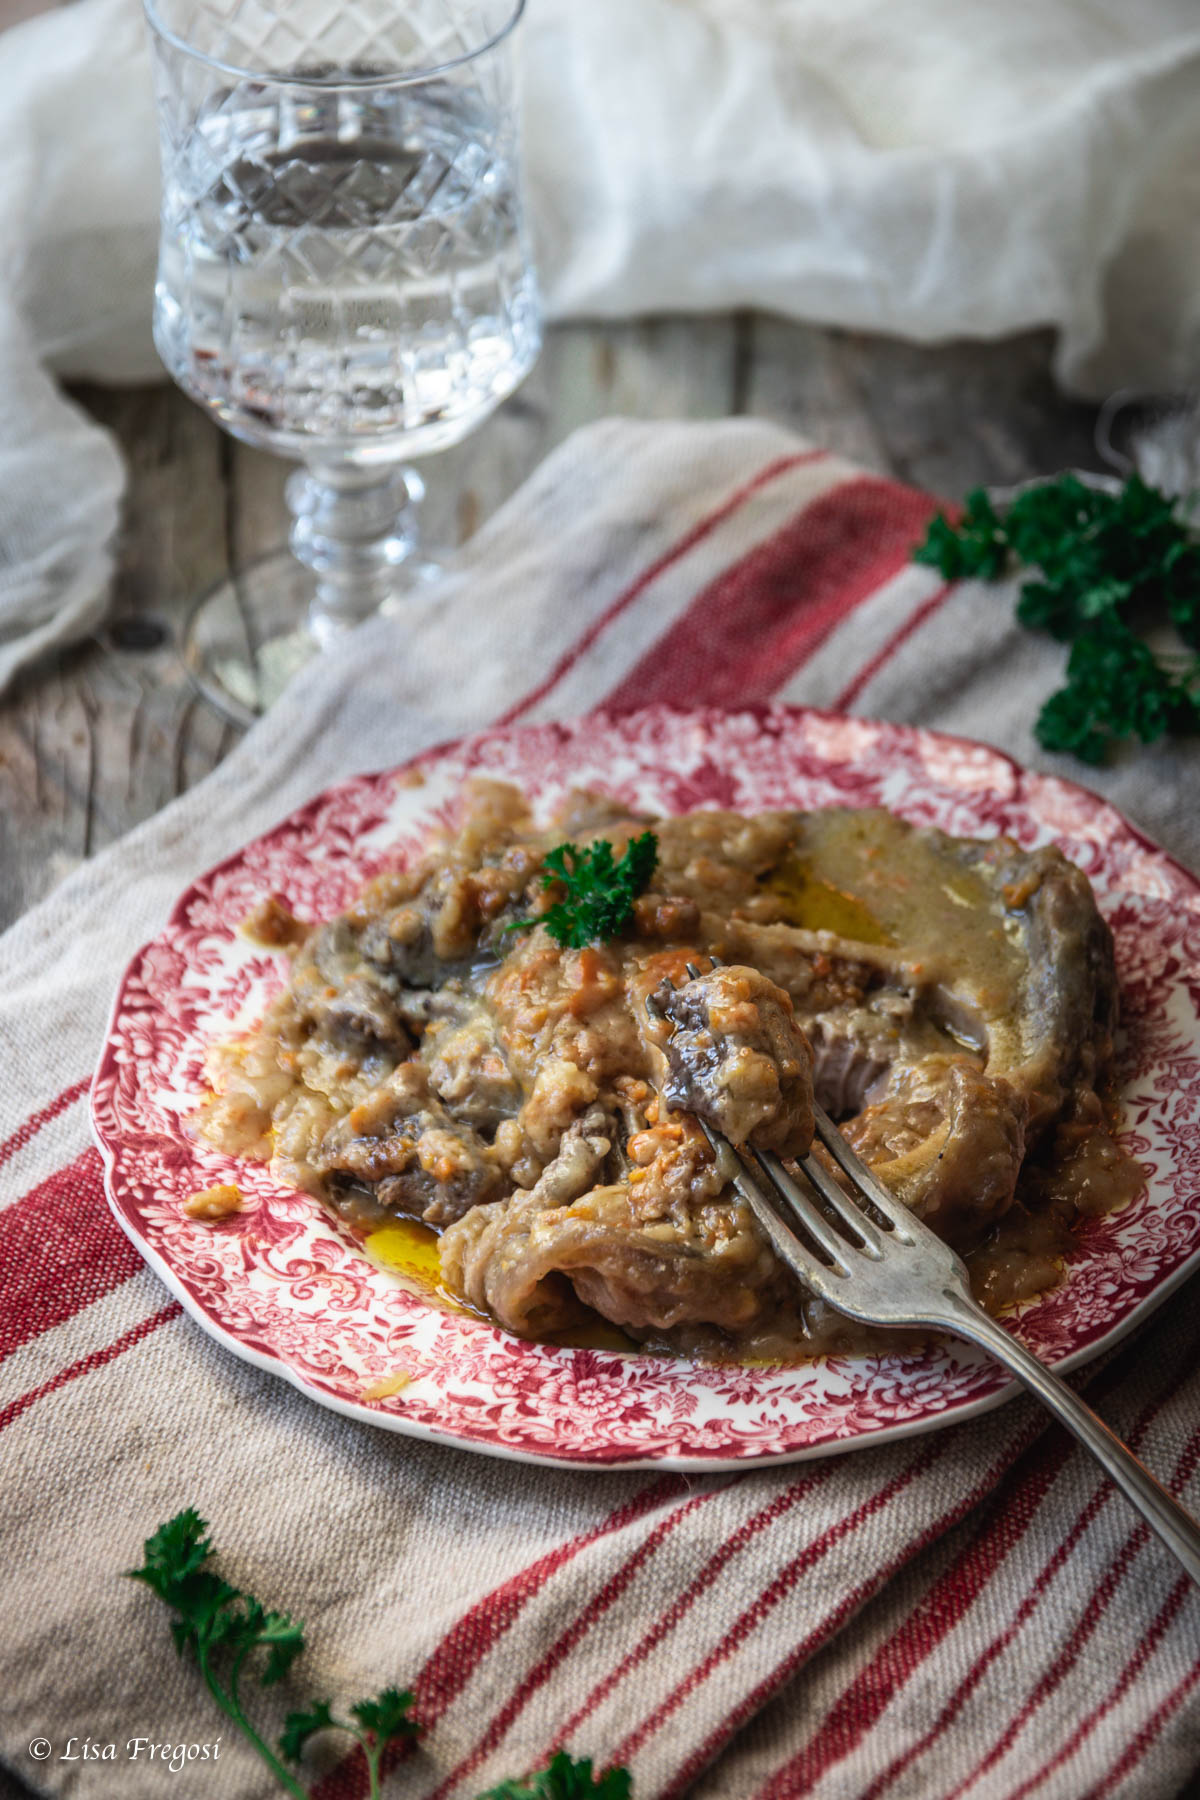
{"x": 600, "y": 889}
{"x": 225, "y": 1628}
{"x": 1104, "y": 568}
{"x": 565, "y": 1779}
{"x": 377, "y": 1723}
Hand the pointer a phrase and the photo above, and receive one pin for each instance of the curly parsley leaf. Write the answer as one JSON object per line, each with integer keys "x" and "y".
{"x": 1102, "y": 564}
{"x": 598, "y": 889}
{"x": 212, "y": 1617}
{"x": 977, "y": 546}
{"x": 222, "y": 1626}
{"x": 379, "y": 1723}
{"x": 211, "y": 1614}
{"x": 298, "y": 1727}
{"x": 176, "y": 1551}
{"x": 225, "y": 1628}
{"x": 565, "y": 1779}
{"x": 388, "y": 1717}
{"x": 1182, "y": 583}
{"x": 1116, "y": 688}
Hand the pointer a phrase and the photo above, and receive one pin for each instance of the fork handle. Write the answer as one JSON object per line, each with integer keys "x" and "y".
{"x": 1161, "y": 1511}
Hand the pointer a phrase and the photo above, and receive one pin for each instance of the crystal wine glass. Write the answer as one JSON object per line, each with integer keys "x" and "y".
{"x": 344, "y": 277}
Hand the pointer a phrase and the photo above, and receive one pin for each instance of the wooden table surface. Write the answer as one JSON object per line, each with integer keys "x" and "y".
{"x": 99, "y": 738}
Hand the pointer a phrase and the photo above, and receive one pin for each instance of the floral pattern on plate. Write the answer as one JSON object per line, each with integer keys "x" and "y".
{"x": 285, "y": 1286}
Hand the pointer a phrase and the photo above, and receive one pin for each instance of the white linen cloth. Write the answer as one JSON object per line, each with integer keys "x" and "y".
{"x": 973, "y": 1612}
{"x": 929, "y": 168}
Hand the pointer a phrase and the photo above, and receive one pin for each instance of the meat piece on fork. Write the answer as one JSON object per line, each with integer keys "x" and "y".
{"x": 738, "y": 1059}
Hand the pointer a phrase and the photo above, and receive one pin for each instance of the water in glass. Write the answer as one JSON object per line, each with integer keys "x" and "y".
{"x": 344, "y": 269}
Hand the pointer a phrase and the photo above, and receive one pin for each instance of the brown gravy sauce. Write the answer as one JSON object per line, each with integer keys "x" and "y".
{"x": 867, "y": 880}
{"x": 1085, "y": 1175}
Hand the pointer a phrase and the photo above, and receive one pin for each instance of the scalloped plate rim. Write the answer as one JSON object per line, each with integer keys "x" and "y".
{"x": 954, "y": 1413}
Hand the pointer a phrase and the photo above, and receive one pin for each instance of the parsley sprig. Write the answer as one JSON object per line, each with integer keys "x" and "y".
{"x": 225, "y": 1627}
{"x": 378, "y": 1723}
{"x": 600, "y": 889}
{"x": 1105, "y": 567}
{"x": 565, "y": 1779}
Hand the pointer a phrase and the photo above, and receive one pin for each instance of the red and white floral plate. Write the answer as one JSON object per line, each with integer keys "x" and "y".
{"x": 288, "y": 1289}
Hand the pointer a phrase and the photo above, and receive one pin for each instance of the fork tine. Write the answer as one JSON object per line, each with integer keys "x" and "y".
{"x": 851, "y": 1216}
{"x": 907, "y": 1276}
{"x": 852, "y": 1164}
{"x": 849, "y": 1161}
{"x": 814, "y": 1221}
{"x": 787, "y": 1246}
{"x": 775, "y": 1171}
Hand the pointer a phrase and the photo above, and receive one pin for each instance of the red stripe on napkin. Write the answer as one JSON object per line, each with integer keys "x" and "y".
{"x": 746, "y": 634}
{"x": 885, "y": 653}
{"x": 624, "y": 600}
{"x": 750, "y": 1529}
{"x": 95, "y": 1359}
{"x": 770, "y": 1685}
{"x": 34, "y": 1123}
{"x": 1057, "y": 1672}
{"x": 769, "y": 1598}
{"x": 453, "y": 1662}
{"x": 860, "y": 1704}
{"x": 60, "y": 1249}
{"x": 1138, "y": 1538}
{"x": 945, "y": 1597}
{"x": 1014, "y": 1510}
{"x": 455, "y": 1659}
{"x": 599, "y": 1604}
{"x": 1149, "y": 1731}
{"x": 1132, "y": 1670}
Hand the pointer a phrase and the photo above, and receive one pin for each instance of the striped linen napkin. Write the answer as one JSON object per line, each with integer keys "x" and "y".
{"x": 974, "y": 1612}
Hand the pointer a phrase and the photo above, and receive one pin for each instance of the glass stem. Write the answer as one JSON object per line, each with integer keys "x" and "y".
{"x": 352, "y": 527}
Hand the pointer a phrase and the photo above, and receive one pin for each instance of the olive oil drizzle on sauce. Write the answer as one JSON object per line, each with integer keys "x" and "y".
{"x": 815, "y": 904}
{"x": 410, "y": 1250}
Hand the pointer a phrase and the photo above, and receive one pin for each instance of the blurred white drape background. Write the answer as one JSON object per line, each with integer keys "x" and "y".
{"x": 926, "y": 168}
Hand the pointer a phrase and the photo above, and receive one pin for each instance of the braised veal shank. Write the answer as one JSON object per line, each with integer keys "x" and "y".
{"x": 951, "y": 1002}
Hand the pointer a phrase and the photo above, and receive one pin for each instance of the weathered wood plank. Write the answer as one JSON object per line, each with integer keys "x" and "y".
{"x": 101, "y": 737}
{"x": 945, "y": 417}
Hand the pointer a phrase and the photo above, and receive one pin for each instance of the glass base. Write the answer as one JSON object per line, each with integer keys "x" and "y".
{"x": 250, "y": 634}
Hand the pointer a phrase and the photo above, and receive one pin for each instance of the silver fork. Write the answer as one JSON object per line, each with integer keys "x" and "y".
{"x": 892, "y": 1270}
